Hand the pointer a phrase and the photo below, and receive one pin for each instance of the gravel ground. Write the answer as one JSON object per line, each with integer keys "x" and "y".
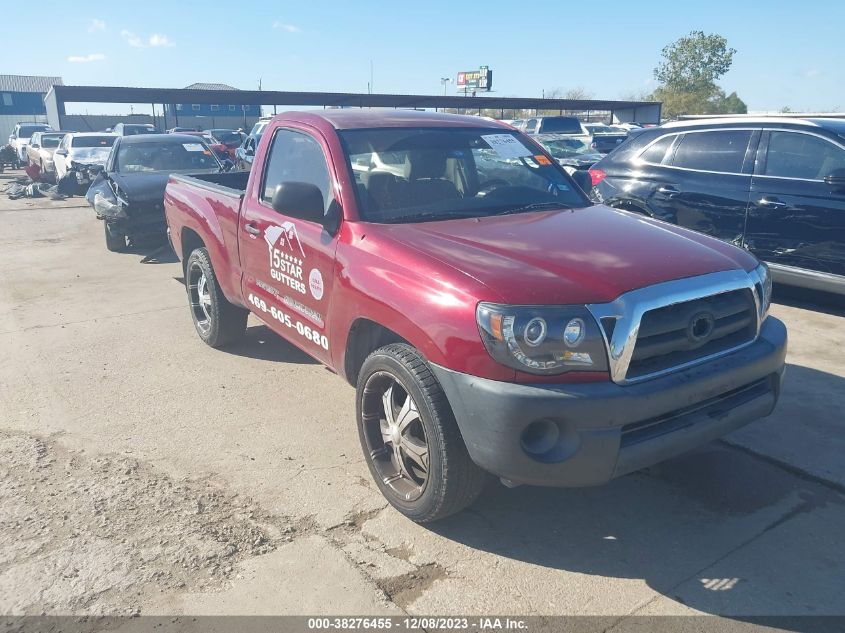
{"x": 102, "y": 533}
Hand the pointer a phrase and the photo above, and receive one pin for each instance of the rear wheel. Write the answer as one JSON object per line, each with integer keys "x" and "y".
{"x": 410, "y": 439}
{"x": 217, "y": 321}
{"x": 115, "y": 239}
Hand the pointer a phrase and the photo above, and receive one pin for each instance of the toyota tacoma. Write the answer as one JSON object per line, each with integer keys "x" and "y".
{"x": 492, "y": 319}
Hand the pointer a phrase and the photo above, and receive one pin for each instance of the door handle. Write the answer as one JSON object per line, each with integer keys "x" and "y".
{"x": 252, "y": 229}
{"x": 668, "y": 190}
{"x": 771, "y": 203}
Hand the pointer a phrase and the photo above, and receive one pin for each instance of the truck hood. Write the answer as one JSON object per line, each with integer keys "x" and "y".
{"x": 573, "y": 256}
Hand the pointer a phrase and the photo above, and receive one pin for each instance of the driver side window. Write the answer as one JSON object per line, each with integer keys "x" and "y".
{"x": 296, "y": 157}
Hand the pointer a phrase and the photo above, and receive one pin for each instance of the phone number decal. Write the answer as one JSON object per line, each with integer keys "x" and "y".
{"x": 282, "y": 317}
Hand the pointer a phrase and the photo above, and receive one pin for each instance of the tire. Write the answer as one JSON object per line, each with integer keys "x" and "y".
{"x": 217, "y": 321}
{"x": 449, "y": 480}
{"x": 115, "y": 240}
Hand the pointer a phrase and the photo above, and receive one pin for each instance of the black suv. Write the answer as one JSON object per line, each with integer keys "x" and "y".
{"x": 775, "y": 186}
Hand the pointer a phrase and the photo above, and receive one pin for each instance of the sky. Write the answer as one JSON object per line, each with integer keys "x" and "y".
{"x": 786, "y": 55}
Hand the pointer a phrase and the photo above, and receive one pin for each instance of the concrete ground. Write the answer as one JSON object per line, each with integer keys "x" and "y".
{"x": 144, "y": 472}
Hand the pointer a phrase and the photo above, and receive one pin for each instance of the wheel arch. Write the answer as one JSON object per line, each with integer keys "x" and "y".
{"x": 366, "y": 336}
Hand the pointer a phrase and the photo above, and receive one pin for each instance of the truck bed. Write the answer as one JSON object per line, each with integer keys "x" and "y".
{"x": 228, "y": 183}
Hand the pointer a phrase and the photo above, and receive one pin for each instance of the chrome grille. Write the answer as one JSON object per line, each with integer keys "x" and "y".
{"x": 667, "y": 336}
{"x": 652, "y": 331}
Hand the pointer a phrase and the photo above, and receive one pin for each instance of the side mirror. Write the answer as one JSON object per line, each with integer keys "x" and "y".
{"x": 299, "y": 200}
{"x": 836, "y": 179}
{"x": 250, "y": 150}
{"x": 583, "y": 179}
{"x": 228, "y": 165}
{"x": 61, "y": 152}
{"x": 13, "y": 137}
{"x": 36, "y": 146}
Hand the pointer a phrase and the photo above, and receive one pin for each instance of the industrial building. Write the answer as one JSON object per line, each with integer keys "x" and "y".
{"x": 22, "y": 100}
{"x": 212, "y": 115}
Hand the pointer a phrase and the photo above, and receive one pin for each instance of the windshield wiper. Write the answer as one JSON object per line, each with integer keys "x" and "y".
{"x": 534, "y": 206}
{"x": 434, "y": 215}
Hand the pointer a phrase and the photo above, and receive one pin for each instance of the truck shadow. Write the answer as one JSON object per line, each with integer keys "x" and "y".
{"x": 261, "y": 343}
{"x": 719, "y": 530}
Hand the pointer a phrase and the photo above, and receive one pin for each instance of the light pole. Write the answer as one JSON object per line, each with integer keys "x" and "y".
{"x": 445, "y": 81}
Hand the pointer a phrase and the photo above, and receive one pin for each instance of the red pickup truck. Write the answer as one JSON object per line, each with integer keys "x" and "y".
{"x": 492, "y": 319}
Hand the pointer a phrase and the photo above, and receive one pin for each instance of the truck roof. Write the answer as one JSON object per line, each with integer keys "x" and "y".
{"x": 346, "y": 119}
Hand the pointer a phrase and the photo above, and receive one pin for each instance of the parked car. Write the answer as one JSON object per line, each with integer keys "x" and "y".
{"x": 19, "y": 138}
{"x": 40, "y": 150}
{"x": 128, "y": 194}
{"x": 79, "y": 151}
{"x": 775, "y": 186}
{"x": 130, "y": 129}
{"x": 494, "y": 323}
{"x": 245, "y": 154}
{"x": 606, "y": 138}
{"x": 571, "y": 153}
{"x": 230, "y": 140}
{"x": 568, "y": 125}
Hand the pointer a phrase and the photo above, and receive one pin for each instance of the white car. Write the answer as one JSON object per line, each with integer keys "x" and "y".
{"x": 19, "y": 138}
{"x": 84, "y": 148}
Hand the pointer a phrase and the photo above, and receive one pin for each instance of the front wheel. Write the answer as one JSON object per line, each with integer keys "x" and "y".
{"x": 411, "y": 442}
{"x": 115, "y": 238}
{"x": 217, "y": 321}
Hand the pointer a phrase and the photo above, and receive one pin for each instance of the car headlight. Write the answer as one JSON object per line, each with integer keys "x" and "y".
{"x": 542, "y": 339}
{"x": 108, "y": 208}
{"x": 763, "y": 285}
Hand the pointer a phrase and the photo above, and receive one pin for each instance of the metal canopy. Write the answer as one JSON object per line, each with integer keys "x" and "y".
{"x": 116, "y": 94}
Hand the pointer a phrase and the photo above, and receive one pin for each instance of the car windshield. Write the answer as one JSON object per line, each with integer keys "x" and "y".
{"x": 50, "y": 142}
{"x": 129, "y": 130}
{"x": 561, "y": 125}
{"x": 138, "y": 157}
{"x": 228, "y": 137}
{"x": 567, "y": 147}
{"x": 26, "y": 131}
{"x": 92, "y": 141}
{"x": 420, "y": 174}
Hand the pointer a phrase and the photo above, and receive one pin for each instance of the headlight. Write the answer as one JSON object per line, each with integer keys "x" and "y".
{"x": 108, "y": 208}
{"x": 542, "y": 339}
{"x": 763, "y": 285}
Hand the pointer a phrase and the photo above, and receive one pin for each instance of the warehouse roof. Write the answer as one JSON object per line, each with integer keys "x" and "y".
{"x": 201, "y": 86}
{"x": 28, "y": 83}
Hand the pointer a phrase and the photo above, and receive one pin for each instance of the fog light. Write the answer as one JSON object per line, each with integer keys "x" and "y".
{"x": 540, "y": 437}
{"x": 573, "y": 334}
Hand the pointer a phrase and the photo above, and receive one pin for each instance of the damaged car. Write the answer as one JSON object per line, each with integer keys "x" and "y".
{"x": 82, "y": 155}
{"x": 128, "y": 194}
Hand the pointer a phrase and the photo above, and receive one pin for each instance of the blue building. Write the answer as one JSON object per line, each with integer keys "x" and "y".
{"x": 212, "y": 115}
{"x": 22, "y": 100}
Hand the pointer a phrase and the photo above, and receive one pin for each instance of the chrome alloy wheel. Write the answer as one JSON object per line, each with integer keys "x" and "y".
{"x": 395, "y": 436}
{"x": 199, "y": 297}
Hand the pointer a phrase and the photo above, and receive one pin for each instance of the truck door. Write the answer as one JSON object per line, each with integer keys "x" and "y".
{"x": 288, "y": 263}
{"x": 796, "y": 218}
{"x": 708, "y": 184}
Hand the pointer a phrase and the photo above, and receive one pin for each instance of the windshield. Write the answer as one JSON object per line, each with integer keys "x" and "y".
{"x": 129, "y": 130}
{"x": 137, "y": 157}
{"x": 26, "y": 131}
{"x": 92, "y": 141}
{"x": 561, "y": 125}
{"x": 567, "y": 148}
{"x": 228, "y": 137}
{"x": 419, "y": 174}
{"x": 50, "y": 142}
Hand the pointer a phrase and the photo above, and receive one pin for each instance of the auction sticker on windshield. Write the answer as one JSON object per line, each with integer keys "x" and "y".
{"x": 193, "y": 147}
{"x": 506, "y": 145}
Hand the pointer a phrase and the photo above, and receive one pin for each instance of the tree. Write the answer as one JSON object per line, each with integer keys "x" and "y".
{"x": 694, "y": 63}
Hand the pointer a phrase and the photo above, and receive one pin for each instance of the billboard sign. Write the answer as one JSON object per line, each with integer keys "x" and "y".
{"x": 481, "y": 79}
